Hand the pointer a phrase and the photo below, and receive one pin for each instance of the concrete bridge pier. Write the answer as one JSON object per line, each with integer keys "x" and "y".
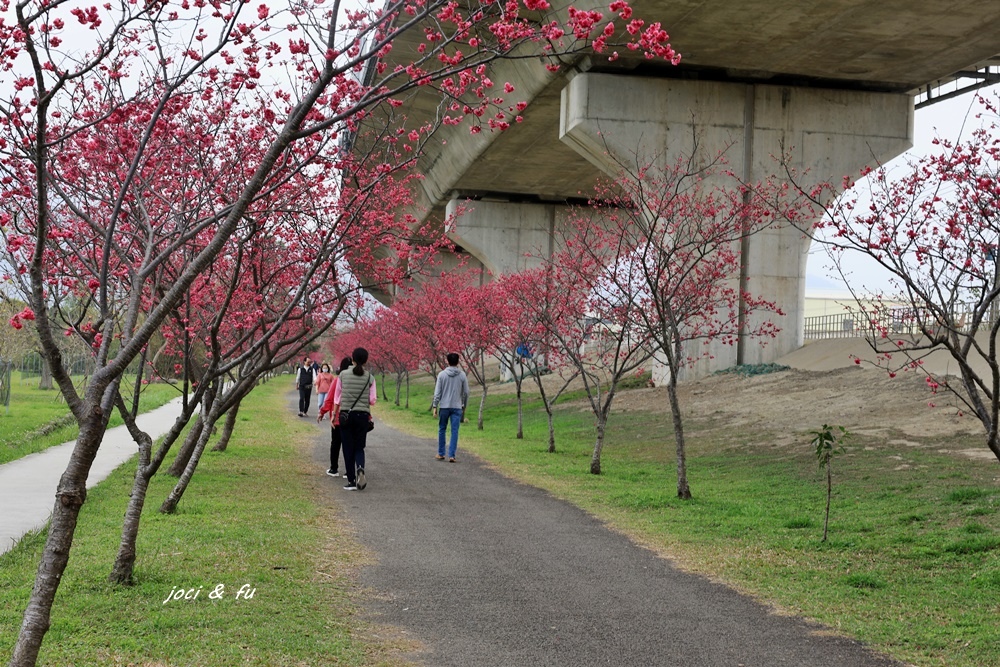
{"x": 504, "y": 236}
{"x": 613, "y": 119}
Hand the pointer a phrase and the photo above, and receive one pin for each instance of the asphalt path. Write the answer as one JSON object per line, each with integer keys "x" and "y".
{"x": 484, "y": 571}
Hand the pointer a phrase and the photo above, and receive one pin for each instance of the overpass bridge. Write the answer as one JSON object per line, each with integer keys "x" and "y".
{"x": 835, "y": 81}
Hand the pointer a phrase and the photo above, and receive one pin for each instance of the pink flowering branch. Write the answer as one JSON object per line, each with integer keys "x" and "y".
{"x": 934, "y": 229}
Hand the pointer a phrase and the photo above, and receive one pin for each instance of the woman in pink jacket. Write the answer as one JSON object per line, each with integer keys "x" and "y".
{"x": 324, "y": 382}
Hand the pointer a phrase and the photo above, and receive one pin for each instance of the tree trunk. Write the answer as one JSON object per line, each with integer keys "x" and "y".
{"x": 399, "y": 388}
{"x": 70, "y": 496}
{"x": 829, "y": 494}
{"x": 993, "y": 442}
{"x": 683, "y": 490}
{"x": 385, "y": 397}
{"x": 177, "y": 468}
{"x": 407, "y": 390}
{"x": 520, "y": 410}
{"x": 123, "y": 569}
{"x": 548, "y": 410}
{"x": 124, "y": 565}
{"x": 482, "y": 405}
{"x": 45, "y": 382}
{"x": 169, "y": 505}
{"x": 228, "y": 427}
{"x": 595, "y": 459}
{"x": 552, "y": 433}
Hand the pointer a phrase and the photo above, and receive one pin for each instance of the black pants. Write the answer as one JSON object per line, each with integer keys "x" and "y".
{"x": 354, "y": 435}
{"x": 335, "y": 449}
{"x": 305, "y": 394}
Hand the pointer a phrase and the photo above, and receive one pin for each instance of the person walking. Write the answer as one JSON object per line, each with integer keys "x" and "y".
{"x": 324, "y": 380}
{"x": 353, "y": 397}
{"x": 304, "y": 383}
{"x": 451, "y": 394}
{"x": 327, "y": 407}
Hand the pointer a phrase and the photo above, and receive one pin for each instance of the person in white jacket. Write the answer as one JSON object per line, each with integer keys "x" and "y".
{"x": 451, "y": 393}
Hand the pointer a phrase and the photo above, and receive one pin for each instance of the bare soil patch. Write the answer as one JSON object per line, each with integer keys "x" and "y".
{"x": 788, "y": 404}
{"x": 791, "y": 403}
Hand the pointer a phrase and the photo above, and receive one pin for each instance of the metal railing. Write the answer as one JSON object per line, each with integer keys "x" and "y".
{"x": 906, "y": 321}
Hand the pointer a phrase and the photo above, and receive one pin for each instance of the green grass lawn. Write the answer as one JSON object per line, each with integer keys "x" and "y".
{"x": 912, "y": 564}
{"x": 256, "y": 516}
{"x": 32, "y": 409}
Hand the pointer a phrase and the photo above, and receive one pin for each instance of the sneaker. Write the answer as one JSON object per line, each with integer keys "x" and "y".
{"x": 439, "y": 457}
{"x": 332, "y": 473}
{"x": 361, "y": 479}
{"x": 351, "y": 487}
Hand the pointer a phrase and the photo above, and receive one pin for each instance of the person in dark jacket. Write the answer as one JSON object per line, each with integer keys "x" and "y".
{"x": 451, "y": 394}
{"x": 304, "y": 383}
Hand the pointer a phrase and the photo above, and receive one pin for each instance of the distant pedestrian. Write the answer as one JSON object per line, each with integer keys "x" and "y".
{"x": 324, "y": 380}
{"x": 335, "y": 436}
{"x": 304, "y": 383}
{"x": 451, "y": 394}
{"x": 353, "y": 397}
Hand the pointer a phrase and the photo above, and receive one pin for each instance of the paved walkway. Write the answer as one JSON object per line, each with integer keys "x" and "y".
{"x": 487, "y": 572}
{"x": 28, "y": 485}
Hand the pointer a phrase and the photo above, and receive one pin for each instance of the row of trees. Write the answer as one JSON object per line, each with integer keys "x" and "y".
{"x": 646, "y": 272}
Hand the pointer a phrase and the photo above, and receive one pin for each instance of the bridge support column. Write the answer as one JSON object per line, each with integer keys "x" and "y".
{"x": 613, "y": 119}
{"x": 504, "y": 236}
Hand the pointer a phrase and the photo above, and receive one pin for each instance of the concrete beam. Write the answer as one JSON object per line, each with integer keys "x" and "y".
{"x": 615, "y": 120}
{"x": 506, "y": 237}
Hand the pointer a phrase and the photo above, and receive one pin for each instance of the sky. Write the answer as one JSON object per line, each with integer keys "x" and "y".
{"x": 949, "y": 119}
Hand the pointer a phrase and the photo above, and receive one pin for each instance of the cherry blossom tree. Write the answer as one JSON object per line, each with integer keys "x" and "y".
{"x": 523, "y": 346}
{"x": 673, "y": 235}
{"x": 934, "y": 228}
{"x": 587, "y": 317}
{"x": 475, "y": 322}
{"x": 276, "y": 290}
{"x": 391, "y": 346}
{"x": 418, "y": 316}
{"x": 453, "y": 313}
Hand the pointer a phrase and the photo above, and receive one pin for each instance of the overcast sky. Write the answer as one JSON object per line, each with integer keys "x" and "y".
{"x": 948, "y": 119}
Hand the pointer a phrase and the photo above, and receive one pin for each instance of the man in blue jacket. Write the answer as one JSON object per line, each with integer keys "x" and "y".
{"x": 451, "y": 394}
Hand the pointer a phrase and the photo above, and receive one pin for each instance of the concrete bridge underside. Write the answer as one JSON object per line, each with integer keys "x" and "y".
{"x": 833, "y": 82}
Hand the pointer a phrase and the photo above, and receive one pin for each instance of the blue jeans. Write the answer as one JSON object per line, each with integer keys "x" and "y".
{"x": 454, "y": 415}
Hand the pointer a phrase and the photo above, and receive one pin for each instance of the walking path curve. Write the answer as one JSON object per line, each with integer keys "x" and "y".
{"x": 28, "y": 485}
{"x": 484, "y": 571}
